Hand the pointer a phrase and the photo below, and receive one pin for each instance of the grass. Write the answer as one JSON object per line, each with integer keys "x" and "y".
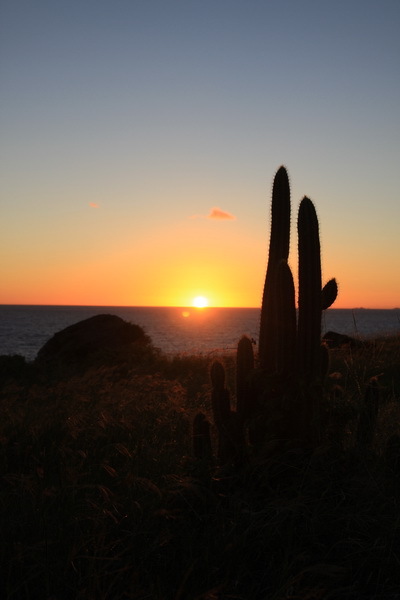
{"x": 101, "y": 498}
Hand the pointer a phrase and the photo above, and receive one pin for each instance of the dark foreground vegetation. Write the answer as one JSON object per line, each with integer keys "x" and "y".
{"x": 101, "y": 497}
{"x": 127, "y": 475}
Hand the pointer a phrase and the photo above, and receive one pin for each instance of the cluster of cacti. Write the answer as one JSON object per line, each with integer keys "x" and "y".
{"x": 288, "y": 344}
{"x": 280, "y": 397}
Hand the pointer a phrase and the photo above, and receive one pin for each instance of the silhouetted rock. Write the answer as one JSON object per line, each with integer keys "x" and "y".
{"x": 99, "y": 340}
{"x": 334, "y": 340}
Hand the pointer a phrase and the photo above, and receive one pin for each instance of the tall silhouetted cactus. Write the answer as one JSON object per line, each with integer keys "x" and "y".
{"x": 278, "y": 251}
{"x": 277, "y": 346}
{"x": 290, "y": 345}
{"x": 280, "y": 396}
{"x": 309, "y": 320}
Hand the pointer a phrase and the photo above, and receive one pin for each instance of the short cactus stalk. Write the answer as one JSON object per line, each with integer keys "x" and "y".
{"x": 227, "y": 421}
{"x": 221, "y": 403}
{"x": 244, "y": 370}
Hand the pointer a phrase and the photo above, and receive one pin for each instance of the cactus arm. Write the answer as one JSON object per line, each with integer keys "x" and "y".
{"x": 329, "y": 294}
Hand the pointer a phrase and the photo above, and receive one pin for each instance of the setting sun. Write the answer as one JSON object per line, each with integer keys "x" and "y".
{"x": 200, "y": 302}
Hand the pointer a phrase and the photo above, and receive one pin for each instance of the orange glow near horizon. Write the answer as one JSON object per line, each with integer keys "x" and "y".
{"x": 94, "y": 287}
{"x": 218, "y": 261}
{"x": 175, "y": 283}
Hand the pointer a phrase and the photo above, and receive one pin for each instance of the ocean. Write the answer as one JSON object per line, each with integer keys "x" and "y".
{"x": 24, "y": 329}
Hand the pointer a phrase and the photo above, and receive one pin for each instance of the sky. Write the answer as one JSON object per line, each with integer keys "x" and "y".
{"x": 139, "y": 141}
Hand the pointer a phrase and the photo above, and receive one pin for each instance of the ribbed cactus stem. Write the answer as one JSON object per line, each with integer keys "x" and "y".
{"x": 244, "y": 369}
{"x": 278, "y": 250}
{"x": 220, "y": 398}
{"x": 309, "y": 321}
{"x": 280, "y": 219}
{"x": 285, "y": 343}
{"x": 217, "y": 375}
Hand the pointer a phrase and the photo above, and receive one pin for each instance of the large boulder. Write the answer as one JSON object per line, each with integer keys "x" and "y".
{"x": 99, "y": 340}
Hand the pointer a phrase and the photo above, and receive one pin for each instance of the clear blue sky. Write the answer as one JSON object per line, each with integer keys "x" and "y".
{"x": 123, "y": 123}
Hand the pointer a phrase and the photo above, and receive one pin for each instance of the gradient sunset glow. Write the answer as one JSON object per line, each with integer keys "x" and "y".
{"x": 140, "y": 141}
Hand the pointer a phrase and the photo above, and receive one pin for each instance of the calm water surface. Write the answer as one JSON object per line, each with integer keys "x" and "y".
{"x": 24, "y": 329}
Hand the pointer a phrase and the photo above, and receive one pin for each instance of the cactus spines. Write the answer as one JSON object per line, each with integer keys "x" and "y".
{"x": 309, "y": 321}
{"x": 244, "y": 368}
{"x": 278, "y": 250}
{"x": 280, "y": 219}
{"x": 329, "y": 293}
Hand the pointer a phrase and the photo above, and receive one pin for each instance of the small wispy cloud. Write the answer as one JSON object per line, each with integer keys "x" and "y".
{"x": 216, "y": 213}
{"x": 93, "y": 205}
